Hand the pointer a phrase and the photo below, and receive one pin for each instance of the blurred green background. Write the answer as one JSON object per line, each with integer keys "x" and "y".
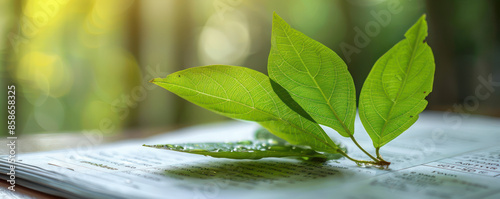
{"x": 85, "y": 64}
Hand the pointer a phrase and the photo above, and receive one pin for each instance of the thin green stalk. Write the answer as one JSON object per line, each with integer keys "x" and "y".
{"x": 378, "y": 154}
{"x": 355, "y": 160}
{"x": 359, "y": 146}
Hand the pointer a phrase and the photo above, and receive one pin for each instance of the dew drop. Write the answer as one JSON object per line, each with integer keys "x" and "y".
{"x": 246, "y": 142}
{"x": 364, "y": 165}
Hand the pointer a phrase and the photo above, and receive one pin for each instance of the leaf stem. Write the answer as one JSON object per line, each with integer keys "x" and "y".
{"x": 359, "y": 146}
{"x": 355, "y": 160}
{"x": 377, "y": 151}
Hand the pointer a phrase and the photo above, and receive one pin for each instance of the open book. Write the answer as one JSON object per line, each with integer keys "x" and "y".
{"x": 434, "y": 159}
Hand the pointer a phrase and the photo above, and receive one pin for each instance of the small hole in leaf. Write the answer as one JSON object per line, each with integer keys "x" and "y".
{"x": 178, "y": 75}
{"x": 411, "y": 115}
{"x": 424, "y": 91}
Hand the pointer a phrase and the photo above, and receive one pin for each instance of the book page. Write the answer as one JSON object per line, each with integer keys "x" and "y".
{"x": 430, "y": 160}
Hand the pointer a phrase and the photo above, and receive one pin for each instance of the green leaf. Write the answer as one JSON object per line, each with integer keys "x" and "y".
{"x": 263, "y": 134}
{"x": 242, "y": 93}
{"x": 394, "y": 92}
{"x": 248, "y": 150}
{"x": 315, "y": 76}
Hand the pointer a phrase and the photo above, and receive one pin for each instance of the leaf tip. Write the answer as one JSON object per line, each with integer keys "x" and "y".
{"x": 423, "y": 19}
{"x": 155, "y": 80}
{"x": 418, "y": 30}
{"x": 277, "y": 18}
{"x": 275, "y": 15}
